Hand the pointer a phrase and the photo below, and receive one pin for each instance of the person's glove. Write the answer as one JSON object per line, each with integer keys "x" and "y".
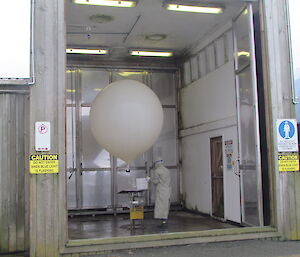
{"x": 148, "y": 178}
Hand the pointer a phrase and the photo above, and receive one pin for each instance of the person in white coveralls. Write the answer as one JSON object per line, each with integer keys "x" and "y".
{"x": 160, "y": 176}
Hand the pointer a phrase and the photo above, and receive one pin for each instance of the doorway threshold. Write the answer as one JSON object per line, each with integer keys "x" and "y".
{"x": 98, "y": 245}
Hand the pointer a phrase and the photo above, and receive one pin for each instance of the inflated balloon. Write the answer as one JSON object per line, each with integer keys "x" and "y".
{"x": 126, "y": 118}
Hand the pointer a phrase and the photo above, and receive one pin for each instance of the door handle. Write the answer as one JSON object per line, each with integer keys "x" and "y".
{"x": 235, "y": 167}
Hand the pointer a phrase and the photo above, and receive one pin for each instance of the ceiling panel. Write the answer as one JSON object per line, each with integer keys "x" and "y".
{"x": 94, "y": 40}
{"x": 148, "y": 17}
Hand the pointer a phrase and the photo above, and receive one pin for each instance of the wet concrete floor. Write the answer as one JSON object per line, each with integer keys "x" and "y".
{"x": 106, "y": 226}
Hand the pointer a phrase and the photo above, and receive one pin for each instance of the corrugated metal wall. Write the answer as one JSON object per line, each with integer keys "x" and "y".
{"x": 12, "y": 172}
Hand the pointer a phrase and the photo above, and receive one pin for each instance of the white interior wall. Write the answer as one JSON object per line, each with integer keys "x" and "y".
{"x": 197, "y": 173}
{"x": 208, "y": 109}
{"x": 209, "y": 99}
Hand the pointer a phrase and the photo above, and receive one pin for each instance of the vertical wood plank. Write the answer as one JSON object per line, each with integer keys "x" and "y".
{"x": 62, "y": 224}
{"x": 40, "y": 215}
{"x": 12, "y": 173}
{"x": 47, "y": 192}
{"x": 51, "y": 209}
{"x": 50, "y": 113}
{"x": 20, "y": 170}
{"x": 32, "y": 215}
{"x": 12, "y": 213}
{"x": 6, "y": 167}
{"x": 4, "y": 233}
{"x": 297, "y": 203}
{"x": 26, "y": 177}
{"x": 279, "y": 78}
{"x": 43, "y": 86}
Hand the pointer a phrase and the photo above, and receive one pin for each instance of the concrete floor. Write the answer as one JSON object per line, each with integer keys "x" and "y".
{"x": 248, "y": 248}
{"x": 106, "y": 226}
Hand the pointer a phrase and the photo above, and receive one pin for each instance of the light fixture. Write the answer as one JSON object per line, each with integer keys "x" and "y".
{"x": 243, "y": 53}
{"x": 113, "y": 3}
{"x": 189, "y": 7}
{"x": 151, "y": 53}
{"x": 72, "y": 71}
{"x": 101, "y": 18}
{"x": 85, "y": 51}
{"x": 130, "y": 73}
{"x": 156, "y": 37}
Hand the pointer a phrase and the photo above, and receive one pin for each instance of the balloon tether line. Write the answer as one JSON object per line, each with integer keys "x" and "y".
{"x": 128, "y": 168}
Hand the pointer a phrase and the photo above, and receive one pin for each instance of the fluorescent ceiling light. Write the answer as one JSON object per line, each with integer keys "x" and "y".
{"x": 244, "y": 53}
{"x": 194, "y": 8}
{"x": 71, "y": 90}
{"x": 85, "y": 51}
{"x": 129, "y": 73}
{"x": 98, "y": 89}
{"x": 151, "y": 53}
{"x": 113, "y": 3}
{"x": 70, "y": 71}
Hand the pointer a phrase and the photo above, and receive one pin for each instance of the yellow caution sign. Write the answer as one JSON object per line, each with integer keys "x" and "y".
{"x": 43, "y": 163}
{"x": 288, "y": 162}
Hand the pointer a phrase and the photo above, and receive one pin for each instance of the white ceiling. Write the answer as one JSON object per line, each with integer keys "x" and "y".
{"x": 181, "y": 29}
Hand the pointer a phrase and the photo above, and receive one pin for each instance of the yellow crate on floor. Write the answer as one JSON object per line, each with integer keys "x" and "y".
{"x": 137, "y": 213}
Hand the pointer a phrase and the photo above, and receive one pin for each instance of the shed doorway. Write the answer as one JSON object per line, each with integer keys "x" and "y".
{"x": 202, "y": 89}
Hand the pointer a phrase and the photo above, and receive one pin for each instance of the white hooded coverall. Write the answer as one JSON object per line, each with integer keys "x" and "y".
{"x": 160, "y": 176}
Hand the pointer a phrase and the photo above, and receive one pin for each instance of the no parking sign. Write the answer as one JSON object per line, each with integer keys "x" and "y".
{"x": 42, "y": 136}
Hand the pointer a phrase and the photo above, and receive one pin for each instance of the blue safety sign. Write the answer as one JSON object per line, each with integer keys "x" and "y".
{"x": 287, "y": 138}
{"x": 286, "y": 129}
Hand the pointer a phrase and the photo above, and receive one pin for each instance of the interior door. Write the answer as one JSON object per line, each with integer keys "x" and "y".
{"x": 217, "y": 188}
{"x": 248, "y": 122}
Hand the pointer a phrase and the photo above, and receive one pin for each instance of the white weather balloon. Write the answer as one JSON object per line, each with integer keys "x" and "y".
{"x": 126, "y": 118}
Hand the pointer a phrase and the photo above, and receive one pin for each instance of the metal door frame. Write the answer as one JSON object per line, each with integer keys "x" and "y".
{"x": 252, "y": 65}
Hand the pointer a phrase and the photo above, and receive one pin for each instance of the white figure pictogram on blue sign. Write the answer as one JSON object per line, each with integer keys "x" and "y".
{"x": 286, "y": 129}
{"x": 287, "y": 135}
